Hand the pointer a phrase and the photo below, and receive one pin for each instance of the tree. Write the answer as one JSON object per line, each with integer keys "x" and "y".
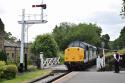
{"x": 62, "y": 33}
{"x": 89, "y": 33}
{"x": 122, "y": 37}
{"x": 3, "y": 56}
{"x": 46, "y": 44}
{"x": 116, "y": 44}
{"x": 105, "y": 39}
{"x": 10, "y": 37}
{"x": 123, "y": 8}
{"x": 119, "y": 43}
{"x": 1, "y": 25}
{"x": 65, "y": 33}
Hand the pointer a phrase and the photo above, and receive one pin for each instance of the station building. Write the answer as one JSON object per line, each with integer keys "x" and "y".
{"x": 12, "y": 49}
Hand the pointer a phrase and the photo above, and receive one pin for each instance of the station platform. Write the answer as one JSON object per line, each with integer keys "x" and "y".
{"x": 93, "y": 77}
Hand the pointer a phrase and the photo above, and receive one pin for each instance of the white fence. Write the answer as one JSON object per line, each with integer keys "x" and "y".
{"x": 49, "y": 62}
{"x": 100, "y": 62}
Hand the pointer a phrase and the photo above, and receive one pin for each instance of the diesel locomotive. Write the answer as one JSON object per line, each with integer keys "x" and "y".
{"x": 79, "y": 55}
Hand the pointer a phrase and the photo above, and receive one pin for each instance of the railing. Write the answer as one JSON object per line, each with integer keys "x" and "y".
{"x": 48, "y": 62}
{"x": 100, "y": 62}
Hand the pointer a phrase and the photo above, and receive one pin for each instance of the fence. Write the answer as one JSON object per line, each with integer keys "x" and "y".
{"x": 100, "y": 62}
{"x": 48, "y": 62}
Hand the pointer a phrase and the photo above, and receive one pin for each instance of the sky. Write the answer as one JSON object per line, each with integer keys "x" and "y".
{"x": 104, "y": 13}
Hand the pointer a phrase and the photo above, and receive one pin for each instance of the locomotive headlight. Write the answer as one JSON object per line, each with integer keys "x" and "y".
{"x": 78, "y": 49}
{"x": 68, "y": 50}
{"x": 66, "y": 58}
{"x": 80, "y": 57}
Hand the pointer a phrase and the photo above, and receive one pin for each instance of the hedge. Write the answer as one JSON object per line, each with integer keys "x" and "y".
{"x": 7, "y": 71}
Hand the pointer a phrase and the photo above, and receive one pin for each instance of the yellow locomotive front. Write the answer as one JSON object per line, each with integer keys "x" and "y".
{"x": 79, "y": 55}
{"x": 74, "y": 54}
{"x": 74, "y": 57}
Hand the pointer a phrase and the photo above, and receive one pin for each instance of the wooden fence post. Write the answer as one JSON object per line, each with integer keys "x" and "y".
{"x": 42, "y": 60}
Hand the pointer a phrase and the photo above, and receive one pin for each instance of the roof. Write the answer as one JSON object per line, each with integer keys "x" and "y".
{"x": 13, "y": 44}
{"x": 7, "y": 43}
{"x": 78, "y": 43}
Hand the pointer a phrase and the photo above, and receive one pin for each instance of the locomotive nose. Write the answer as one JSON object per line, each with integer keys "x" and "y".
{"x": 74, "y": 54}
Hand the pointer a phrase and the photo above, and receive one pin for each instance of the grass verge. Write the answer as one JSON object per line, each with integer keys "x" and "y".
{"x": 27, "y": 76}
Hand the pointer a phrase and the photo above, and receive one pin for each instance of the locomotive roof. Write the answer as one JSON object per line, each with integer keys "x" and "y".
{"x": 80, "y": 42}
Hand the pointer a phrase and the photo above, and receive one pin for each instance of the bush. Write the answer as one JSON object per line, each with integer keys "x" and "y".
{"x": 109, "y": 64}
{"x": 61, "y": 55}
{"x": 122, "y": 51}
{"x": 46, "y": 44}
{"x": 1, "y": 72}
{"x": 2, "y": 64}
{"x": 9, "y": 72}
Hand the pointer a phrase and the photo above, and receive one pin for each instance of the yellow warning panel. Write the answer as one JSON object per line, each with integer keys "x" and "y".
{"x": 74, "y": 54}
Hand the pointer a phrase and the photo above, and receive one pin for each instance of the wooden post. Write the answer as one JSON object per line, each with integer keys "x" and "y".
{"x": 42, "y": 60}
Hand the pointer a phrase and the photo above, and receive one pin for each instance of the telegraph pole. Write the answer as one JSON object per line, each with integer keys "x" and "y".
{"x": 25, "y": 22}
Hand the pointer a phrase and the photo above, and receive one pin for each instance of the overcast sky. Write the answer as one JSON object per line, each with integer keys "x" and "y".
{"x": 105, "y": 13}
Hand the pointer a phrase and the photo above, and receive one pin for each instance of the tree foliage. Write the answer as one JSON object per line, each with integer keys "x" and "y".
{"x": 119, "y": 43}
{"x": 105, "y": 39}
{"x": 68, "y": 32}
{"x": 3, "y": 56}
{"x": 62, "y": 33}
{"x": 7, "y": 35}
{"x": 123, "y": 8}
{"x": 10, "y": 37}
{"x": 1, "y": 26}
{"x": 122, "y": 38}
{"x": 46, "y": 44}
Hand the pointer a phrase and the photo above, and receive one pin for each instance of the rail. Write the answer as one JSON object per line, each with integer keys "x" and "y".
{"x": 54, "y": 75}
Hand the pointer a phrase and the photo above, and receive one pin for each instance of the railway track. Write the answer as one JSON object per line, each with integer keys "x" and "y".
{"x": 54, "y": 75}
{"x": 57, "y": 74}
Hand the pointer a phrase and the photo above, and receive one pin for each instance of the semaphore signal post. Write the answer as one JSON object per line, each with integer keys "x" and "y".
{"x": 25, "y": 23}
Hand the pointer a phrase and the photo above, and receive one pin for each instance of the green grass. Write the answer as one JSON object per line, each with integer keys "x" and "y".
{"x": 122, "y": 51}
{"x": 109, "y": 54}
{"x": 27, "y": 76}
